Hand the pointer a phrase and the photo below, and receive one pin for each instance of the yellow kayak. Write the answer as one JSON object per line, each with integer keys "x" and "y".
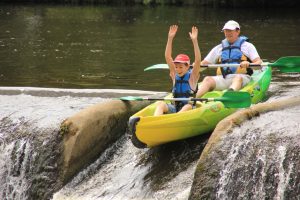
{"x": 149, "y": 131}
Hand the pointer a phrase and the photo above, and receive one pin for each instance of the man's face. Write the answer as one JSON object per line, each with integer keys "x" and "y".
{"x": 231, "y": 35}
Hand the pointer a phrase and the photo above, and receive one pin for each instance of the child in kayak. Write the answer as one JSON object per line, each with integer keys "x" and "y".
{"x": 184, "y": 79}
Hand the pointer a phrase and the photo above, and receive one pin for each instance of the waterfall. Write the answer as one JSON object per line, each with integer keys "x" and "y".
{"x": 126, "y": 172}
{"x": 30, "y": 139}
{"x": 30, "y": 143}
{"x": 262, "y": 160}
{"x": 13, "y": 177}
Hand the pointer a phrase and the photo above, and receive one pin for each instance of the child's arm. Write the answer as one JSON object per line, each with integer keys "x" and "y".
{"x": 168, "y": 52}
{"x": 196, "y": 66}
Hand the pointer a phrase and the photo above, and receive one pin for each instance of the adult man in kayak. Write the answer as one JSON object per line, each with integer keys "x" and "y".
{"x": 183, "y": 78}
{"x": 232, "y": 50}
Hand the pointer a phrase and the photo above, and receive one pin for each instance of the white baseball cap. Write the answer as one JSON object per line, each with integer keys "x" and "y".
{"x": 231, "y": 25}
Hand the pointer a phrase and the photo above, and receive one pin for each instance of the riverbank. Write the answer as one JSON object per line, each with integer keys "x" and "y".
{"x": 208, "y": 3}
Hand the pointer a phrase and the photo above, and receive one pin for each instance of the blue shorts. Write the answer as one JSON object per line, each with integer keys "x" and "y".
{"x": 171, "y": 108}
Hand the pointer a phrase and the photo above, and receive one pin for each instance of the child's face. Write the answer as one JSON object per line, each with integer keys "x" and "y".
{"x": 181, "y": 68}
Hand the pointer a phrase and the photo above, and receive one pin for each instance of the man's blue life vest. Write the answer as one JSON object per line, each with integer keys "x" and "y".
{"x": 181, "y": 89}
{"x": 232, "y": 54}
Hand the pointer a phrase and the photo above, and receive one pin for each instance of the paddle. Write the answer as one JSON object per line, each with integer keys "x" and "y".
{"x": 284, "y": 64}
{"x": 164, "y": 66}
{"x": 230, "y": 99}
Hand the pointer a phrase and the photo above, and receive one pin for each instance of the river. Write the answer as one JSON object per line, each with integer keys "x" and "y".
{"x": 60, "y": 51}
{"x": 108, "y": 47}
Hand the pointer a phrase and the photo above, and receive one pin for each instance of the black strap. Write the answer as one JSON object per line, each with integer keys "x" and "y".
{"x": 230, "y": 47}
{"x": 225, "y": 71}
{"x": 231, "y": 60}
{"x": 249, "y": 71}
{"x": 182, "y": 81}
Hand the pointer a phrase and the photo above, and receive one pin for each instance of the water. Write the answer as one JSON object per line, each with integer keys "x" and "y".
{"x": 108, "y": 47}
{"x": 259, "y": 159}
{"x": 125, "y": 172}
{"x": 29, "y": 141}
{"x": 30, "y": 119}
{"x": 50, "y": 47}
{"x": 263, "y": 160}
{"x": 29, "y": 146}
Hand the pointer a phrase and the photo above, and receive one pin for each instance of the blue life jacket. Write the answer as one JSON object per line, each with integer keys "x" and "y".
{"x": 231, "y": 54}
{"x": 181, "y": 89}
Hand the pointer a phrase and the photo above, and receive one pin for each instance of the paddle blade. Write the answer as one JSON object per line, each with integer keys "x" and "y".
{"x": 165, "y": 66}
{"x": 287, "y": 64}
{"x": 236, "y": 99}
{"x": 157, "y": 66}
{"x": 131, "y": 98}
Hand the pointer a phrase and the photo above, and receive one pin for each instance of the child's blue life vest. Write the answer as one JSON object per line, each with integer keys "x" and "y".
{"x": 182, "y": 89}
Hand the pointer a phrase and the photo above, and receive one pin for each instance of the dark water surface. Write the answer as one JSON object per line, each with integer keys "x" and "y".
{"x": 108, "y": 47}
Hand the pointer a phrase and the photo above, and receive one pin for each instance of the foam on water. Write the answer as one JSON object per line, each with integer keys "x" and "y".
{"x": 29, "y": 117}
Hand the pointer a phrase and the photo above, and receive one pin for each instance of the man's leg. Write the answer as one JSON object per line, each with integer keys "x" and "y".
{"x": 208, "y": 84}
{"x": 239, "y": 81}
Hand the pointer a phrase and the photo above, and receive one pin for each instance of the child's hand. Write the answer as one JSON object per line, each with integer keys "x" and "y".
{"x": 194, "y": 33}
{"x": 172, "y": 31}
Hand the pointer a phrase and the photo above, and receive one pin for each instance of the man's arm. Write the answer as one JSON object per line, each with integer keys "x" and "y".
{"x": 257, "y": 61}
{"x": 252, "y": 54}
{"x": 213, "y": 56}
{"x": 245, "y": 63}
{"x": 205, "y": 62}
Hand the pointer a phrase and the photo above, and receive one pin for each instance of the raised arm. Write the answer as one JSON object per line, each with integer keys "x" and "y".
{"x": 168, "y": 52}
{"x": 196, "y": 66}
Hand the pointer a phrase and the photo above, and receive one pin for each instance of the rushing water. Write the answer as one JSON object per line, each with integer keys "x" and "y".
{"x": 263, "y": 159}
{"x": 125, "y": 172}
{"x": 108, "y": 48}
{"x": 28, "y": 151}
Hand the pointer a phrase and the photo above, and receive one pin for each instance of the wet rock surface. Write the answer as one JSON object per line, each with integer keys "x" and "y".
{"x": 252, "y": 160}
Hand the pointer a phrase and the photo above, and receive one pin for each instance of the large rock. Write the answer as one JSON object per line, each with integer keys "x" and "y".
{"x": 88, "y": 133}
{"x": 208, "y": 169}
